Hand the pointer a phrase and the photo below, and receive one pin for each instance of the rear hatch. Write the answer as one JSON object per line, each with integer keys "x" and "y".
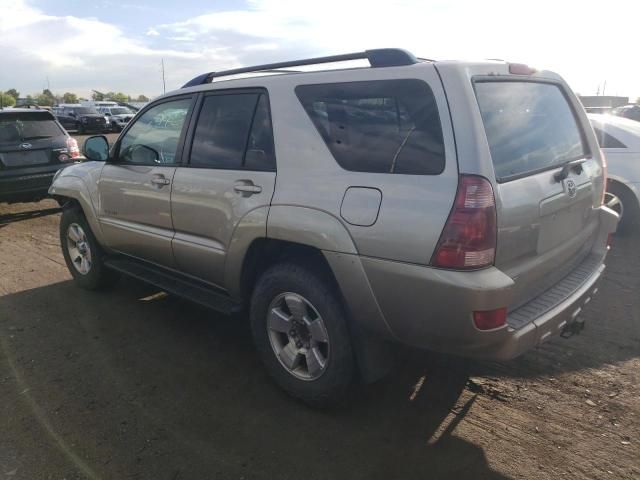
{"x": 29, "y": 140}
{"x": 548, "y": 181}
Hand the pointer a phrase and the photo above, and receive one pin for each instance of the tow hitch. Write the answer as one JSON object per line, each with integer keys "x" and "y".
{"x": 572, "y": 328}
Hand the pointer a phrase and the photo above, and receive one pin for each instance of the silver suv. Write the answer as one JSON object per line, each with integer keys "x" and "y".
{"x": 445, "y": 205}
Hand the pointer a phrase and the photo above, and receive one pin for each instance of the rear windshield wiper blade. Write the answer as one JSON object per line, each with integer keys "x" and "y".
{"x": 36, "y": 137}
{"x": 567, "y": 167}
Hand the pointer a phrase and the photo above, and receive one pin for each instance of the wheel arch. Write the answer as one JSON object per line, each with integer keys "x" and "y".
{"x": 70, "y": 191}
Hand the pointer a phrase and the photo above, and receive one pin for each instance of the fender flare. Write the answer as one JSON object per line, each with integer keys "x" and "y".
{"x": 71, "y": 186}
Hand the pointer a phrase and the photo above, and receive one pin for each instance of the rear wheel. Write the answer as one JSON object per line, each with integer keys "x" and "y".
{"x": 623, "y": 202}
{"x": 300, "y": 330}
{"x": 82, "y": 253}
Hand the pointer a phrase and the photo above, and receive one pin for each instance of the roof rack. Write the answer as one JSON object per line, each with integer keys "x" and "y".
{"x": 380, "y": 57}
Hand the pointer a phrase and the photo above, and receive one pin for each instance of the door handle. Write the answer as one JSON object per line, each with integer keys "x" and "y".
{"x": 249, "y": 189}
{"x": 160, "y": 181}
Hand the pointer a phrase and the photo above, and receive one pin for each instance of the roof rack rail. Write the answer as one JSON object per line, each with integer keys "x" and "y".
{"x": 380, "y": 57}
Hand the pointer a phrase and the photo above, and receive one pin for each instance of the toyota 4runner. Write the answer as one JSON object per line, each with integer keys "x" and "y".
{"x": 451, "y": 206}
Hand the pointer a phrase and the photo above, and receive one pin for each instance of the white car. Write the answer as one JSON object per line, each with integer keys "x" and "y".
{"x": 619, "y": 140}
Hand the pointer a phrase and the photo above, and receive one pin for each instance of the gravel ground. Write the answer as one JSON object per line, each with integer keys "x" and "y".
{"x": 117, "y": 385}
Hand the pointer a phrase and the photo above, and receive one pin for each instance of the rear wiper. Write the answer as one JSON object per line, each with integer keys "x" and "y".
{"x": 575, "y": 165}
{"x": 36, "y": 137}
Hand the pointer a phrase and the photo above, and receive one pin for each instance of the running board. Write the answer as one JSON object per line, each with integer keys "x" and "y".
{"x": 176, "y": 284}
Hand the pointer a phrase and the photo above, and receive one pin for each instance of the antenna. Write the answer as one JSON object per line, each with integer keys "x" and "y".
{"x": 164, "y": 85}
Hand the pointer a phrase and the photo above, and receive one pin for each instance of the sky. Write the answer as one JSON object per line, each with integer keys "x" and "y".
{"x": 108, "y": 45}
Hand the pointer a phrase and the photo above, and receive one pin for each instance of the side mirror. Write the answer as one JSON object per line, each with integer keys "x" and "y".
{"x": 96, "y": 148}
{"x": 71, "y": 114}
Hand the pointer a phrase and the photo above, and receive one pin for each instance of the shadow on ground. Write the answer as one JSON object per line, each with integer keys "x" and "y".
{"x": 8, "y": 218}
{"x": 139, "y": 387}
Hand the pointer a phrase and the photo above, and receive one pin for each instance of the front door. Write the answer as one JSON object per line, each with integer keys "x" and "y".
{"x": 230, "y": 172}
{"x": 135, "y": 185}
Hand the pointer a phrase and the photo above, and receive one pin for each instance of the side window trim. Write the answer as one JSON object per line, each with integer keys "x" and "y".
{"x": 197, "y": 110}
{"x": 115, "y": 152}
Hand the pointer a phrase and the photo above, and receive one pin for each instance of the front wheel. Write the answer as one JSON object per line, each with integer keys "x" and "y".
{"x": 82, "y": 253}
{"x": 300, "y": 330}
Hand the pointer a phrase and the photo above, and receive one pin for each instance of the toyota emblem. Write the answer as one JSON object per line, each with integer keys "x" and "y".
{"x": 25, "y": 146}
{"x": 571, "y": 188}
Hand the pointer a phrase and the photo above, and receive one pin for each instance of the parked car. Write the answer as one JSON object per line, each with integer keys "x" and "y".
{"x": 632, "y": 112}
{"x": 116, "y": 117}
{"x": 452, "y": 206}
{"x": 81, "y": 119}
{"x": 619, "y": 139}
{"x": 33, "y": 147}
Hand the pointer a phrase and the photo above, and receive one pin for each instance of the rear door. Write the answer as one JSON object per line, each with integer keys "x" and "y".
{"x": 548, "y": 181}
{"x": 230, "y": 173}
{"x": 135, "y": 186}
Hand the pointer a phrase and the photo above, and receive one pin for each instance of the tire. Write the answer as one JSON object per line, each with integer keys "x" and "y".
{"x": 630, "y": 218}
{"x": 82, "y": 253}
{"x": 296, "y": 292}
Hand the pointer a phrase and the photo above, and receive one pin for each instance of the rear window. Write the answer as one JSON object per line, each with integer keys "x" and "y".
{"x": 530, "y": 127}
{"x": 20, "y": 126}
{"x": 84, "y": 111}
{"x": 385, "y": 126}
{"x": 607, "y": 141}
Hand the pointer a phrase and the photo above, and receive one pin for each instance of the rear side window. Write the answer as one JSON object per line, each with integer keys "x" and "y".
{"x": 530, "y": 127}
{"x": 383, "y": 126}
{"x": 607, "y": 141}
{"x": 17, "y": 127}
{"x": 234, "y": 132}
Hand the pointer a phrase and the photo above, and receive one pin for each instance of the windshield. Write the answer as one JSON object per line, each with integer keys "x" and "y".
{"x": 85, "y": 111}
{"x": 120, "y": 111}
{"x": 16, "y": 127}
{"x": 530, "y": 127}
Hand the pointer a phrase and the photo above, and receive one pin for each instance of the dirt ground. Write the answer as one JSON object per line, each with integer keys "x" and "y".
{"x": 118, "y": 385}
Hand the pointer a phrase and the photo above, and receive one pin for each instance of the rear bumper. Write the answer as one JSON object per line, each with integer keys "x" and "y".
{"x": 26, "y": 187}
{"x": 431, "y": 308}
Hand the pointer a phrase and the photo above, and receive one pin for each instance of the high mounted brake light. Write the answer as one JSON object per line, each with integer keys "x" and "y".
{"x": 521, "y": 69}
{"x": 468, "y": 240}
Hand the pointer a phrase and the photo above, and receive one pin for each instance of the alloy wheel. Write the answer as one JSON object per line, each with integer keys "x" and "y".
{"x": 79, "y": 248}
{"x": 298, "y": 336}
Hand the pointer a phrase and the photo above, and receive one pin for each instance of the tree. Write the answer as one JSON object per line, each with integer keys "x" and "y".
{"x": 142, "y": 98}
{"x": 6, "y": 100}
{"x": 97, "y": 97}
{"x": 117, "y": 97}
{"x": 13, "y": 92}
{"x": 70, "y": 98}
{"x": 44, "y": 100}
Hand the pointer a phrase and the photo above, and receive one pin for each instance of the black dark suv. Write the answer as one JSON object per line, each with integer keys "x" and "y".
{"x": 33, "y": 147}
{"x": 81, "y": 119}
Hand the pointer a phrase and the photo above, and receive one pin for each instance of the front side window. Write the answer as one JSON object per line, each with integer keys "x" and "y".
{"x": 383, "y": 126}
{"x": 234, "y": 132}
{"x": 530, "y": 127}
{"x": 154, "y": 137}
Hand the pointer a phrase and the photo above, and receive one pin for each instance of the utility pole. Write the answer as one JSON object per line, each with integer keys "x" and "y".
{"x": 604, "y": 87}
{"x": 164, "y": 85}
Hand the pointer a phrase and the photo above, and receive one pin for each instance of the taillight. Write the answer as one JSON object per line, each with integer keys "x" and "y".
{"x": 72, "y": 147}
{"x": 468, "y": 240}
{"x": 490, "y": 319}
